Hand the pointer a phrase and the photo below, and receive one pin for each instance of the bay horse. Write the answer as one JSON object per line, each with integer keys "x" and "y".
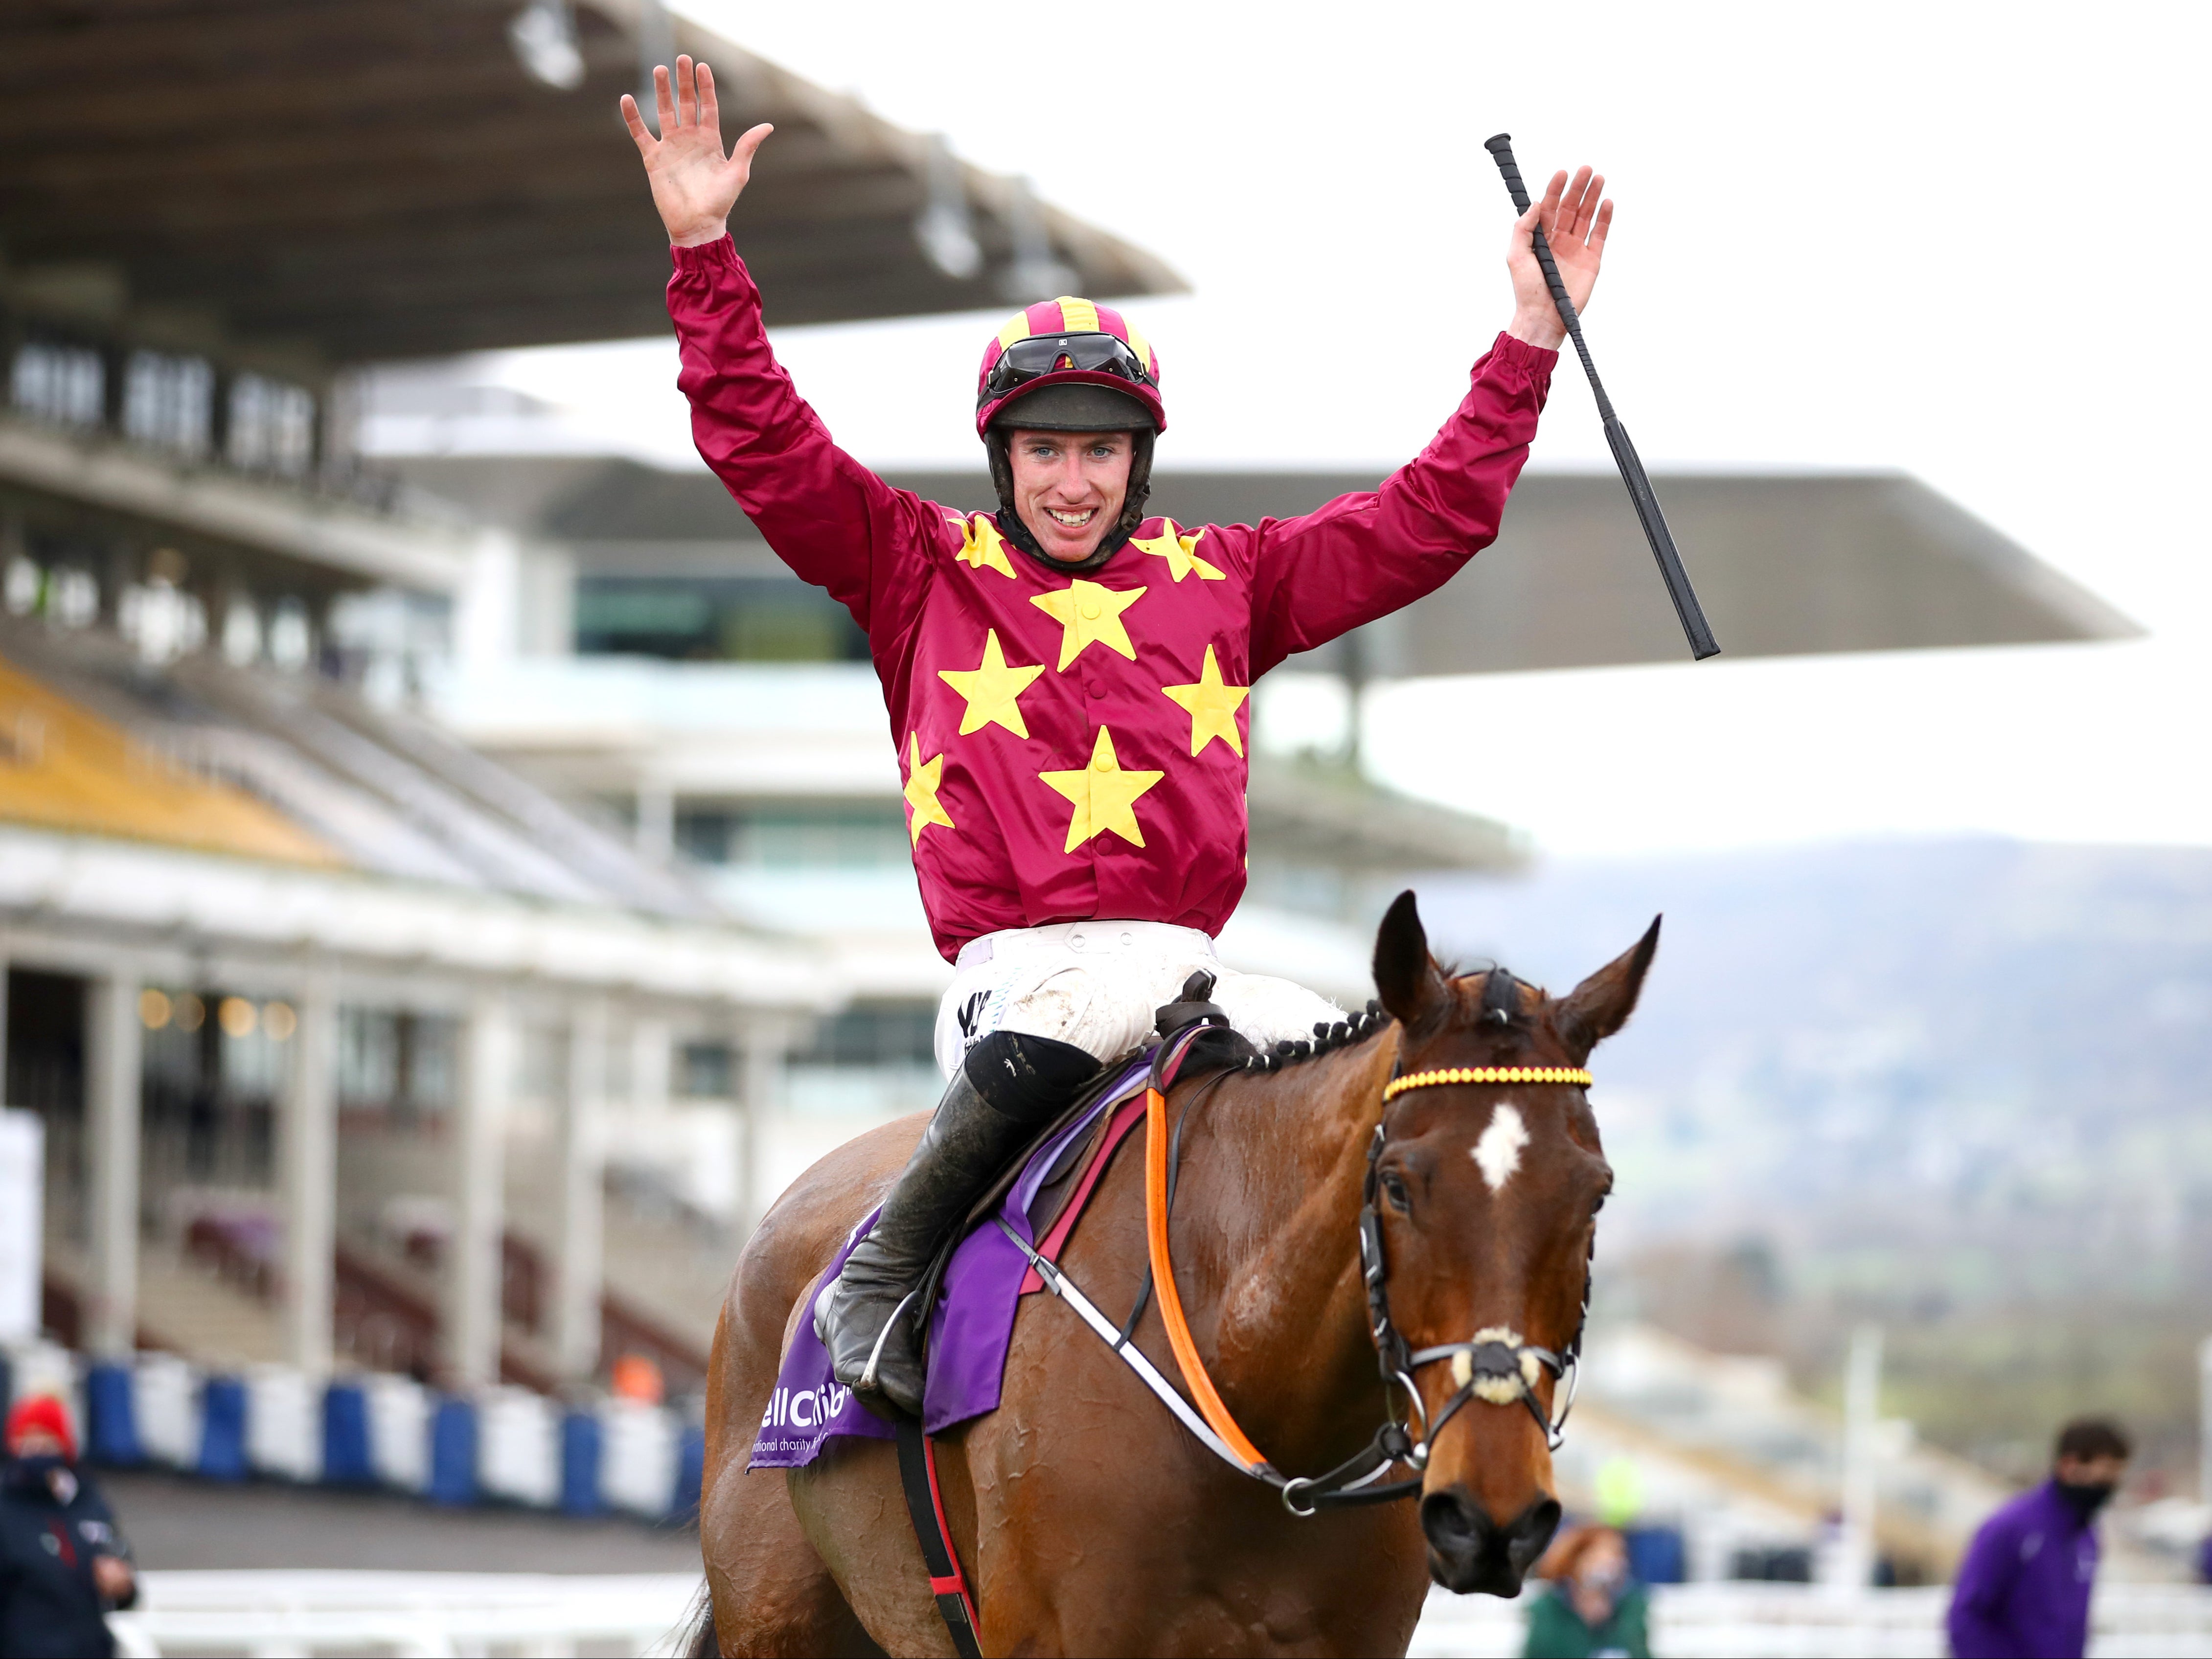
{"x": 1087, "y": 1519}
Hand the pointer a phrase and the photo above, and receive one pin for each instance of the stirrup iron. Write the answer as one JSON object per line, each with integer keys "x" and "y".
{"x": 868, "y": 1382}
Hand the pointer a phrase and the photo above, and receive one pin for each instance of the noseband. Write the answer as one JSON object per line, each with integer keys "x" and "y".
{"x": 1495, "y": 1364}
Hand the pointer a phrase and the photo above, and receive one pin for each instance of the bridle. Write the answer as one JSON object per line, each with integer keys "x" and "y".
{"x": 1494, "y": 1364}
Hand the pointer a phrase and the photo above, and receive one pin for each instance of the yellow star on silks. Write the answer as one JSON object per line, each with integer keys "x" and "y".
{"x": 1090, "y": 614}
{"x": 993, "y": 690}
{"x": 1212, "y": 707}
{"x": 1103, "y": 795}
{"x": 922, "y": 779}
{"x": 982, "y": 547}
{"x": 1176, "y": 548}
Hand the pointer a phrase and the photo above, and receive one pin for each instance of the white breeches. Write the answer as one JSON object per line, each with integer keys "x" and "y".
{"x": 1097, "y": 984}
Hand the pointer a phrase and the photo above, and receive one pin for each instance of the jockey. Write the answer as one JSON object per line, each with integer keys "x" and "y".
{"x": 1068, "y": 676}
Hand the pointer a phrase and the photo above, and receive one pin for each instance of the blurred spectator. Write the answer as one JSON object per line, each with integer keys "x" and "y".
{"x": 636, "y": 1377}
{"x": 1594, "y": 1609}
{"x": 62, "y": 1561}
{"x": 2023, "y": 1590}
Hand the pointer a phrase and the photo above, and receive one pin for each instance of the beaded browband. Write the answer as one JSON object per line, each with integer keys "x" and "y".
{"x": 1398, "y": 1086}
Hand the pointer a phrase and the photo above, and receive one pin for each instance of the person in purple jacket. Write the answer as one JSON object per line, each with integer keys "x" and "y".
{"x": 2023, "y": 1590}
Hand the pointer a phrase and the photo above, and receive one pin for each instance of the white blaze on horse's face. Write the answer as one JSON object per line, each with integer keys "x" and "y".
{"x": 1497, "y": 1154}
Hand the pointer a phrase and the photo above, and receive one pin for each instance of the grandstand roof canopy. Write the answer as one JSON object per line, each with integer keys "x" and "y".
{"x": 1787, "y": 564}
{"x": 317, "y": 185}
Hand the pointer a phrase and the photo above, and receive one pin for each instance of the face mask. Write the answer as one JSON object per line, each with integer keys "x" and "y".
{"x": 2086, "y": 1497}
{"x": 42, "y": 1473}
{"x": 1605, "y": 1580}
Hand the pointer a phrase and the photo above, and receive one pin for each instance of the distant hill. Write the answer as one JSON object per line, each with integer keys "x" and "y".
{"x": 1964, "y": 1086}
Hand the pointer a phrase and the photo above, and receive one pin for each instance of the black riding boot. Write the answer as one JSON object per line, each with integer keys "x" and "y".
{"x": 1010, "y": 1085}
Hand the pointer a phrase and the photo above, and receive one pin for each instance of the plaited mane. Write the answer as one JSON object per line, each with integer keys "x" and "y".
{"x": 1501, "y": 1004}
{"x": 1501, "y": 998}
{"x": 1326, "y": 1040}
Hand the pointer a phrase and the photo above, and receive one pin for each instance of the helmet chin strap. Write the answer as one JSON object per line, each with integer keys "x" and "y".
{"x": 1016, "y": 530}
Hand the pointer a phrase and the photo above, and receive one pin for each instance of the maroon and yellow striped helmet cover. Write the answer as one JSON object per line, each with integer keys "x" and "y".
{"x": 1069, "y": 315}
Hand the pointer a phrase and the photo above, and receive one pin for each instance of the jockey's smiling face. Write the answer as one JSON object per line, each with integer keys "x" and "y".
{"x": 1069, "y": 486}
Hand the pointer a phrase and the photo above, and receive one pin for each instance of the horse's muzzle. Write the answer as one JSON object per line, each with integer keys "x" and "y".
{"x": 1469, "y": 1551}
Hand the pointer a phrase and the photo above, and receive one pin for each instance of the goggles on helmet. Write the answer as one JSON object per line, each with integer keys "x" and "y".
{"x": 1043, "y": 354}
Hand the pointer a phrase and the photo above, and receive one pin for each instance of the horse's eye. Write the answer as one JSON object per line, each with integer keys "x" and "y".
{"x": 1394, "y": 1188}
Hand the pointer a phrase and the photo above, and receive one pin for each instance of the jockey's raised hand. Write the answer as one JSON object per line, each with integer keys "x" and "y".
{"x": 695, "y": 185}
{"x": 1574, "y": 216}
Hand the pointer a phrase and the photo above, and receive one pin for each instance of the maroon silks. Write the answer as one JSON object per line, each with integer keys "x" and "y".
{"x": 1073, "y": 746}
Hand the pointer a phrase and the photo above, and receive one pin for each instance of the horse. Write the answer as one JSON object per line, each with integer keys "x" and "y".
{"x": 1087, "y": 1520}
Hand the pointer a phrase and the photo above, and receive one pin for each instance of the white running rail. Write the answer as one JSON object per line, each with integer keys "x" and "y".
{"x": 1805, "y": 1621}
{"x": 433, "y": 1615}
{"x": 408, "y": 1615}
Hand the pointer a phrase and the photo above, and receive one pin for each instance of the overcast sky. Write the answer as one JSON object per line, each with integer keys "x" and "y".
{"x": 1964, "y": 241}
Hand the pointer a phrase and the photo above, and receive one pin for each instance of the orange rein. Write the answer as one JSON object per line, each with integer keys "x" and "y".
{"x": 1202, "y": 1392}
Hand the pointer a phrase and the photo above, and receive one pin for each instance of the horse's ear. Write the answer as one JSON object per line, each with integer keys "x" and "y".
{"x": 1406, "y": 977}
{"x": 1602, "y": 1004}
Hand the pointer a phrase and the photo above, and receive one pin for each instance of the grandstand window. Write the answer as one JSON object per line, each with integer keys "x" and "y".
{"x": 58, "y": 382}
{"x": 272, "y": 427}
{"x": 73, "y": 598}
{"x": 291, "y": 636}
{"x": 23, "y": 584}
{"x": 715, "y": 619}
{"x": 168, "y": 402}
{"x": 394, "y": 1064}
{"x": 874, "y": 1034}
{"x": 705, "y": 1071}
{"x": 829, "y": 835}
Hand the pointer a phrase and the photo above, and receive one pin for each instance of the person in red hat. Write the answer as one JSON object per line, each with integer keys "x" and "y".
{"x": 63, "y": 1563}
{"x": 1066, "y": 675}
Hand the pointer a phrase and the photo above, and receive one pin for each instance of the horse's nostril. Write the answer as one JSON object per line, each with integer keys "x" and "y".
{"x": 1469, "y": 1551}
{"x": 1532, "y": 1531}
{"x": 1451, "y": 1520}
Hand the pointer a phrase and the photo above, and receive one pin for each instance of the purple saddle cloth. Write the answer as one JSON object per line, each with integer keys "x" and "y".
{"x": 970, "y": 1329}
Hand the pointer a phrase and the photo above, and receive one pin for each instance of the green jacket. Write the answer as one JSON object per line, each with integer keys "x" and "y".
{"x": 1556, "y": 1631}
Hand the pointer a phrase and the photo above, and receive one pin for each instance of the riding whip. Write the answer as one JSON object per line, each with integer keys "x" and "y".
{"x": 1701, "y": 643}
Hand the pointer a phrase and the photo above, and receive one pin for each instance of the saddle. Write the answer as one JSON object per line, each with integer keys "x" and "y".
{"x": 976, "y": 1283}
{"x": 1075, "y": 1171}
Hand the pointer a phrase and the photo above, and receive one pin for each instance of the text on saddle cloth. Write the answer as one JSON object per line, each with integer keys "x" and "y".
{"x": 972, "y": 1326}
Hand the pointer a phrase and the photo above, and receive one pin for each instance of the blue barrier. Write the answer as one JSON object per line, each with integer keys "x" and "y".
{"x": 346, "y": 1460}
{"x": 690, "y": 1471}
{"x": 1655, "y": 1553}
{"x": 580, "y": 1443}
{"x": 210, "y": 1433}
{"x": 453, "y": 1452}
{"x": 111, "y": 1434}
{"x": 222, "y": 1429}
